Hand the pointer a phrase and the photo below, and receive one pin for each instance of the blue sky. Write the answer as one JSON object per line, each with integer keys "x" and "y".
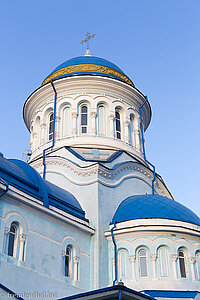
{"x": 156, "y": 43}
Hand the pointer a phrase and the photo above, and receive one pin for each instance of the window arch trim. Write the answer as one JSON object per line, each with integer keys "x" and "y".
{"x": 83, "y": 118}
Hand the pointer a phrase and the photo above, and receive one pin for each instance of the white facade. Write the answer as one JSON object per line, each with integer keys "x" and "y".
{"x": 94, "y": 151}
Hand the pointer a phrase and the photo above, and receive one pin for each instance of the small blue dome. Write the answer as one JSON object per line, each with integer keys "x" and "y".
{"x": 87, "y": 65}
{"x": 153, "y": 207}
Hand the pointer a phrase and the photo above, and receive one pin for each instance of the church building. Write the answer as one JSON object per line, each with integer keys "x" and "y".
{"x": 88, "y": 211}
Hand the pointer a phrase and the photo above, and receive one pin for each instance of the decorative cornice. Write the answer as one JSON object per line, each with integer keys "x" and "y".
{"x": 88, "y": 68}
{"x": 103, "y": 172}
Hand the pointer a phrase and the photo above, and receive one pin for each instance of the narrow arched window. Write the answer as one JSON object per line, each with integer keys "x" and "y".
{"x": 182, "y": 262}
{"x": 51, "y": 127}
{"x": 143, "y": 263}
{"x": 68, "y": 262}
{"x": 102, "y": 120}
{"x": 198, "y": 264}
{"x": 66, "y": 122}
{"x": 122, "y": 264}
{"x": 84, "y": 119}
{"x": 164, "y": 262}
{"x": 118, "y": 124}
{"x": 12, "y": 240}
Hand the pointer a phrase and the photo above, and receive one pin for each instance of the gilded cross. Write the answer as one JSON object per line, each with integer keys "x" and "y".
{"x": 89, "y": 36}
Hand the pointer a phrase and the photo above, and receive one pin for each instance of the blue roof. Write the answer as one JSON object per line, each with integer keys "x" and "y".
{"x": 115, "y": 292}
{"x": 152, "y": 207}
{"x": 79, "y": 60}
{"x": 27, "y": 179}
{"x": 172, "y": 294}
{"x": 109, "y": 70}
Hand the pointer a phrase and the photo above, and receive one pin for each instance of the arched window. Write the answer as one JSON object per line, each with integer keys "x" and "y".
{"x": 66, "y": 122}
{"x": 102, "y": 120}
{"x": 118, "y": 124}
{"x": 51, "y": 127}
{"x": 122, "y": 264}
{"x": 164, "y": 262}
{"x": 182, "y": 263}
{"x": 68, "y": 262}
{"x": 84, "y": 119}
{"x": 12, "y": 240}
{"x": 198, "y": 264}
{"x": 143, "y": 263}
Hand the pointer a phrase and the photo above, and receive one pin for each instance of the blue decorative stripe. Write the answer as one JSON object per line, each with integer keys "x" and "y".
{"x": 172, "y": 294}
{"x": 108, "y": 160}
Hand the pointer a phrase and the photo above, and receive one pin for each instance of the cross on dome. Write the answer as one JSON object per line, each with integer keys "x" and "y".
{"x": 89, "y": 36}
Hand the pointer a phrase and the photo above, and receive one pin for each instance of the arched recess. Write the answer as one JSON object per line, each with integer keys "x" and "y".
{"x": 197, "y": 264}
{"x": 132, "y": 135}
{"x": 163, "y": 261}
{"x": 66, "y": 120}
{"x": 37, "y": 132}
{"x": 123, "y": 264}
{"x": 102, "y": 119}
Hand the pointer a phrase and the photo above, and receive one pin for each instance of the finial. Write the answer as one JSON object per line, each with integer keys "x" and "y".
{"x": 89, "y": 36}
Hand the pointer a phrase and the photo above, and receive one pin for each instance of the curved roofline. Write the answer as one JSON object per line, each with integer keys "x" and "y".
{"x": 137, "y": 207}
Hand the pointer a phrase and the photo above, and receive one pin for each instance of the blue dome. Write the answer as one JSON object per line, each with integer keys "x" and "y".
{"x": 88, "y": 60}
{"x": 153, "y": 207}
{"x": 27, "y": 179}
{"x": 87, "y": 65}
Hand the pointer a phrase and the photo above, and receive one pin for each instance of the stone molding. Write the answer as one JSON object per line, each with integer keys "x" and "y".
{"x": 100, "y": 170}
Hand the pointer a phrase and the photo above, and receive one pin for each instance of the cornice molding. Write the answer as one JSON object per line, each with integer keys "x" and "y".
{"x": 108, "y": 177}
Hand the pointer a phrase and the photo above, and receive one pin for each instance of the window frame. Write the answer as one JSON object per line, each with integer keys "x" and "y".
{"x": 68, "y": 274}
{"x": 184, "y": 261}
{"x": 87, "y": 119}
{"x": 14, "y": 241}
{"x": 50, "y": 126}
{"x": 118, "y": 120}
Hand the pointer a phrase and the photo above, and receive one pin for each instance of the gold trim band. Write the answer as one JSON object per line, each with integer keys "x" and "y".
{"x": 88, "y": 68}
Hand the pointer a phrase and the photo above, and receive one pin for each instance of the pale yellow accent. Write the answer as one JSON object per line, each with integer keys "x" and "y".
{"x": 88, "y": 68}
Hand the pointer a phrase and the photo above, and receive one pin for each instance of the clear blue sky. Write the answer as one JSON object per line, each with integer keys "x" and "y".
{"x": 156, "y": 43}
